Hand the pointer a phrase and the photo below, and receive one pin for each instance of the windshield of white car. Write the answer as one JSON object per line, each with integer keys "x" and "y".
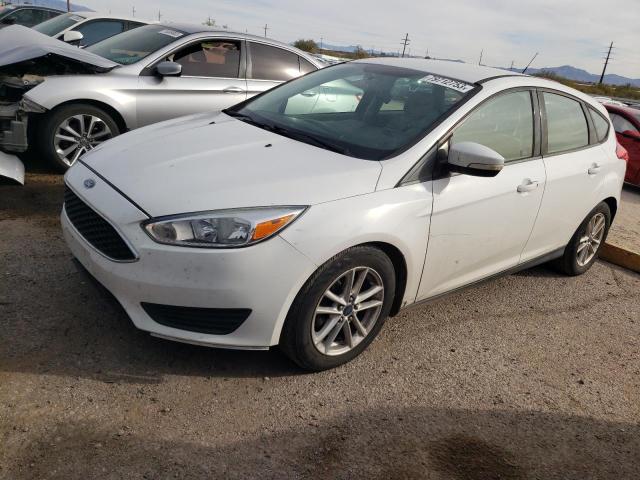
{"x": 134, "y": 45}
{"x": 57, "y": 24}
{"x": 363, "y": 110}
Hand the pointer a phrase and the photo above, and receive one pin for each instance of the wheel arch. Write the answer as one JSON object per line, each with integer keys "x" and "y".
{"x": 612, "y": 203}
{"x": 115, "y": 114}
{"x": 400, "y": 268}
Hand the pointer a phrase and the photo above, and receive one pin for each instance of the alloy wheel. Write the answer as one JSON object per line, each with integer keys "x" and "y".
{"x": 591, "y": 239}
{"x": 78, "y": 134}
{"x": 347, "y": 311}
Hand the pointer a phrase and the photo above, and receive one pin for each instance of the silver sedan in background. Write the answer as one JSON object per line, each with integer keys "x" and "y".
{"x": 74, "y": 99}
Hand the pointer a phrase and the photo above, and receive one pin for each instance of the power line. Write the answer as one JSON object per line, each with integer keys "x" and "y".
{"x": 606, "y": 62}
{"x": 405, "y": 41}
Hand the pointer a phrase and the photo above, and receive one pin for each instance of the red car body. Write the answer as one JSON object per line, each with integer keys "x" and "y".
{"x": 626, "y": 123}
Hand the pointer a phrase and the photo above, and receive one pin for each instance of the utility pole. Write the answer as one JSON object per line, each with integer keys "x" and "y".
{"x": 606, "y": 62}
{"x": 480, "y": 61}
{"x": 159, "y": 15}
{"x": 529, "y": 64}
{"x": 405, "y": 41}
{"x": 133, "y": 11}
{"x": 266, "y": 27}
{"x": 321, "y": 39}
{"x": 68, "y": 5}
{"x": 511, "y": 67}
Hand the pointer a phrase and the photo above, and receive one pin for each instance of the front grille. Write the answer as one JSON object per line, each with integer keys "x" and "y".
{"x": 216, "y": 321}
{"x": 95, "y": 229}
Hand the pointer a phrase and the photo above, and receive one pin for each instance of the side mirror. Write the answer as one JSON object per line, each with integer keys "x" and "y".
{"x": 474, "y": 159}
{"x": 72, "y": 36}
{"x": 169, "y": 69}
{"x": 631, "y": 134}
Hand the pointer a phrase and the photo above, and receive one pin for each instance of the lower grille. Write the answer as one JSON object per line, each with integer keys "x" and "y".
{"x": 95, "y": 229}
{"x": 215, "y": 321}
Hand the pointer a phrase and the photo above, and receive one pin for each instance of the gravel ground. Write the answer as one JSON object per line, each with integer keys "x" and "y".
{"x": 531, "y": 376}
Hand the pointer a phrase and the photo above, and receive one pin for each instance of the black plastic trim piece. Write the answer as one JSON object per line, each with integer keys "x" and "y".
{"x": 213, "y": 321}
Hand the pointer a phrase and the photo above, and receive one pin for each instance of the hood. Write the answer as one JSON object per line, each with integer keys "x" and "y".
{"x": 212, "y": 162}
{"x": 23, "y": 50}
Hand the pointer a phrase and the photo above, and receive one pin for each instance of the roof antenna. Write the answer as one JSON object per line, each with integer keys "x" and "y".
{"x": 528, "y": 64}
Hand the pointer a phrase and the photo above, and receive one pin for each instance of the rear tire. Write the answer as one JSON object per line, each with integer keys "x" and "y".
{"x": 80, "y": 125}
{"x": 583, "y": 248}
{"x": 307, "y": 333}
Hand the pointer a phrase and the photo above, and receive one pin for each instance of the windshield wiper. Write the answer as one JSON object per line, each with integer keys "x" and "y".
{"x": 285, "y": 132}
{"x": 306, "y": 138}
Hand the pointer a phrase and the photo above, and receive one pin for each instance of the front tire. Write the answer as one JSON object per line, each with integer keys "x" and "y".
{"x": 583, "y": 248}
{"x": 70, "y": 131}
{"x": 340, "y": 310}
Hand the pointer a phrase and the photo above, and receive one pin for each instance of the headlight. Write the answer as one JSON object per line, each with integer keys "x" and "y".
{"x": 222, "y": 228}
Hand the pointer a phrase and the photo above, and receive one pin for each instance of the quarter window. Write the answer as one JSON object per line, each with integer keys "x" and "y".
{"x": 601, "y": 125}
{"x": 504, "y": 124}
{"x": 211, "y": 58}
{"x": 566, "y": 124}
{"x": 272, "y": 63}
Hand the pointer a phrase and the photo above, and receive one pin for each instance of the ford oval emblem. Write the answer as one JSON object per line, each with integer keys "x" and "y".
{"x": 89, "y": 183}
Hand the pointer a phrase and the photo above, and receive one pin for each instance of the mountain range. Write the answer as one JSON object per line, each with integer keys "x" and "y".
{"x": 565, "y": 71}
{"x": 57, "y": 4}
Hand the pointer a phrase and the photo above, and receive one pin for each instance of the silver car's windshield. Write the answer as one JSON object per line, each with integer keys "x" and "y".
{"x": 363, "y": 110}
{"x": 134, "y": 45}
{"x": 57, "y": 24}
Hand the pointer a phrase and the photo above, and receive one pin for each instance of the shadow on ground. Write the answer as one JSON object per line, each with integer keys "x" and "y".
{"x": 375, "y": 444}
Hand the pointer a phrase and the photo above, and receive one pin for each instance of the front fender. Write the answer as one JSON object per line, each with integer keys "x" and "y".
{"x": 116, "y": 91}
{"x": 399, "y": 217}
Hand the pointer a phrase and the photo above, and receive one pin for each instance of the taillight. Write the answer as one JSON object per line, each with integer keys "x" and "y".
{"x": 622, "y": 153}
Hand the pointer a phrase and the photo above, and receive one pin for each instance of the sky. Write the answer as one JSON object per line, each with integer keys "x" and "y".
{"x": 563, "y": 32}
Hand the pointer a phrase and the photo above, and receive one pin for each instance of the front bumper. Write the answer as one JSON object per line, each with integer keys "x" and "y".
{"x": 263, "y": 278}
{"x": 11, "y": 167}
{"x": 13, "y": 128}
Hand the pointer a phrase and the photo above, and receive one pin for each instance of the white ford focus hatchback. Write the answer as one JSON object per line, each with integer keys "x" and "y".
{"x": 283, "y": 222}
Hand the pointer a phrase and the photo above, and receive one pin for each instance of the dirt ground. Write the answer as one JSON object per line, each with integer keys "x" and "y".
{"x": 531, "y": 376}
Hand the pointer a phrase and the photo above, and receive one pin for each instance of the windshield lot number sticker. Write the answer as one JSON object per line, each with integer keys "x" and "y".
{"x": 447, "y": 82}
{"x": 171, "y": 33}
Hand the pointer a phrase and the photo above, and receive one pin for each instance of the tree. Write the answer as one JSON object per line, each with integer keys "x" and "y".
{"x": 210, "y": 22}
{"x": 360, "y": 52}
{"x": 306, "y": 45}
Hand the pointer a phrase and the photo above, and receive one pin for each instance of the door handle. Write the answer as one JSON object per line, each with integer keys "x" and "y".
{"x": 595, "y": 168}
{"x": 233, "y": 90}
{"x": 528, "y": 186}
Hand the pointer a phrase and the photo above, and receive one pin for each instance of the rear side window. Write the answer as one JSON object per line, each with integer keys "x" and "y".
{"x": 94, "y": 32}
{"x": 504, "y": 124}
{"x": 272, "y": 63}
{"x": 210, "y": 58}
{"x": 566, "y": 124}
{"x": 601, "y": 125}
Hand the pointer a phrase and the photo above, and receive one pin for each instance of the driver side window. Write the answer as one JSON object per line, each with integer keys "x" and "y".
{"x": 210, "y": 58}
{"x": 503, "y": 123}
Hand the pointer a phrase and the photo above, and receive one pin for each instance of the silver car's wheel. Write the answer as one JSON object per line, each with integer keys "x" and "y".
{"x": 78, "y": 134}
{"x": 591, "y": 239}
{"x": 348, "y": 311}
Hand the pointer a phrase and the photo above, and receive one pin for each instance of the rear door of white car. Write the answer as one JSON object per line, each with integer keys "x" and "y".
{"x": 480, "y": 225}
{"x": 213, "y": 78}
{"x": 576, "y": 165}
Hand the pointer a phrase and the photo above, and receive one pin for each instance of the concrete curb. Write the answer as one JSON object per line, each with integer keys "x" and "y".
{"x": 620, "y": 256}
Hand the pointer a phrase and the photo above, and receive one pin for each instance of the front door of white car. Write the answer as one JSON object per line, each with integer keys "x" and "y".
{"x": 480, "y": 225}
{"x": 212, "y": 78}
{"x": 576, "y": 166}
